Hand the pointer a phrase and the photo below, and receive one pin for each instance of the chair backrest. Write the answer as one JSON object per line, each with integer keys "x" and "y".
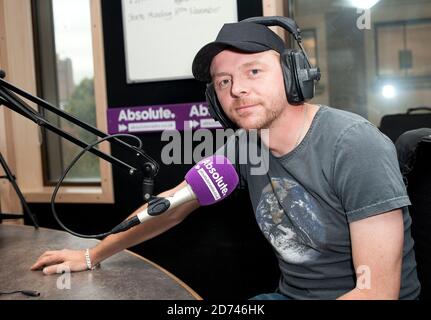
{"x": 393, "y": 125}
{"x": 416, "y": 169}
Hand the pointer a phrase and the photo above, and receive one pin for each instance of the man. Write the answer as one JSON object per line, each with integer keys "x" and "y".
{"x": 332, "y": 204}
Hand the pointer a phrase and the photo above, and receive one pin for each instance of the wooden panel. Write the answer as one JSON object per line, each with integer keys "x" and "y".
{"x": 274, "y": 8}
{"x": 100, "y": 96}
{"x": 9, "y": 202}
{"x": 21, "y": 73}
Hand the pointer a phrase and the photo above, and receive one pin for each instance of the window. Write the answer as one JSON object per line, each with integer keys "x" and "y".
{"x": 309, "y": 43}
{"x": 66, "y": 80}
{"x": 374, "y": 61}
{"x": 403, "y": 48}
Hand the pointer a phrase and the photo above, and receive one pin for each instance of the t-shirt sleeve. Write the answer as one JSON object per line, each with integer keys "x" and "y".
{"x": 366, "y": 174}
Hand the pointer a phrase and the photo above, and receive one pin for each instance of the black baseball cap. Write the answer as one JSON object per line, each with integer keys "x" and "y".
{"x": 243, "y": 36}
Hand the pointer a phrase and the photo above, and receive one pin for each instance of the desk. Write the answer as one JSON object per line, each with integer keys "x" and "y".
{"x": 124, "y": 276}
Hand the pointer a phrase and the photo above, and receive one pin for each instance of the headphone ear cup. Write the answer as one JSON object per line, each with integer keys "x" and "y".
{"x": 305, "y": 75}
{"x": 293, "y": 92}
{"x": 299, "y": 77}
{"x": 215, "y": 109}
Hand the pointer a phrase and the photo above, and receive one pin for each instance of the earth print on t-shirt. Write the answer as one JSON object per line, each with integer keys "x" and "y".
{"x": 288, "y": 217}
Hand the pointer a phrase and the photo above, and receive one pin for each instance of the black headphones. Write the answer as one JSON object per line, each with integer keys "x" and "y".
{"x": 299, "y": 76}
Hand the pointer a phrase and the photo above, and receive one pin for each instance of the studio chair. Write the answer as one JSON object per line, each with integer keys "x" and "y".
{"x": 414, "y": 155}
{"x": 393, "y": 125}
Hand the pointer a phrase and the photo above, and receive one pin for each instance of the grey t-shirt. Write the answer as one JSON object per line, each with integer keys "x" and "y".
{"x": 344, "y": 170}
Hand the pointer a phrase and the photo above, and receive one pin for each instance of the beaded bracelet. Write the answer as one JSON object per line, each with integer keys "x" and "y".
{"x": 88, "y": 260}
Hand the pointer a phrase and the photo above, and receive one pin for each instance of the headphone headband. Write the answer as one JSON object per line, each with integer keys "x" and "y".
{"x": 284, "y": 22}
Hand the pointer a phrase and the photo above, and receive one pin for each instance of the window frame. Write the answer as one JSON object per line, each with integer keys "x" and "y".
{"x": 48, "y": 88}
{"x": 24, "y": 156}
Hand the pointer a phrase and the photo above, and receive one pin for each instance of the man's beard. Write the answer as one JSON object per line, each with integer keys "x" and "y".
{"x": 270, "y": 114}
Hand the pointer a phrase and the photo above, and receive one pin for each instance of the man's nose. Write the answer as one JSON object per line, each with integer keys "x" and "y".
{"x": 239, "y": 88}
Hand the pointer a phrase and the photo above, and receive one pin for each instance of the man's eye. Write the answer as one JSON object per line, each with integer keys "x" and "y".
{"x": 254, "y": 72}
{"x": 223, "y": 83}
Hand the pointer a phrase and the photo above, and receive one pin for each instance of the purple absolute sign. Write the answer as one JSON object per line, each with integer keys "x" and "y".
{"x": 184, "y": 116}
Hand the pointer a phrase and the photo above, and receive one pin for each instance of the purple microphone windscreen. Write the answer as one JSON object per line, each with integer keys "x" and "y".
{"x": 212, "y": 179}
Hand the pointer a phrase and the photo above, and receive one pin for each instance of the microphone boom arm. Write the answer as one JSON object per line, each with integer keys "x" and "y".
{"x": 9, "y": 97}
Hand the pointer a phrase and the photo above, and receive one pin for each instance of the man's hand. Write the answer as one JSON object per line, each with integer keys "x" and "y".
{"x": 52, "y": 262}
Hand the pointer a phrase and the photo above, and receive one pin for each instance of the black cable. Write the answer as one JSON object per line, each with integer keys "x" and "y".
{"x": 29, "y": 293}
{"x": 57, "y": 187}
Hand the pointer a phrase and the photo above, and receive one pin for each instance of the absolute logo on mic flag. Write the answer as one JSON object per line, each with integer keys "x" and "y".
{"x": 212, "y": 179}
{"x": 219, "y": 180}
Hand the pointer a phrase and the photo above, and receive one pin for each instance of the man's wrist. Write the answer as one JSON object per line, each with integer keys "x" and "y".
{"x": 91, "y": 264}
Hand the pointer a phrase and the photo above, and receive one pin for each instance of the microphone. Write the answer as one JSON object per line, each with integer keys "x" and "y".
{"x": 211, "y": 180}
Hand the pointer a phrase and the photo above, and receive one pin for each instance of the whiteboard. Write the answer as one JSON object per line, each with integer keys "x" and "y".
{"x": 161, "y": 37}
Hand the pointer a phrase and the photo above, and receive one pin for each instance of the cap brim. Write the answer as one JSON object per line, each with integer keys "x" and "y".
{"x": 202, "y": 61}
